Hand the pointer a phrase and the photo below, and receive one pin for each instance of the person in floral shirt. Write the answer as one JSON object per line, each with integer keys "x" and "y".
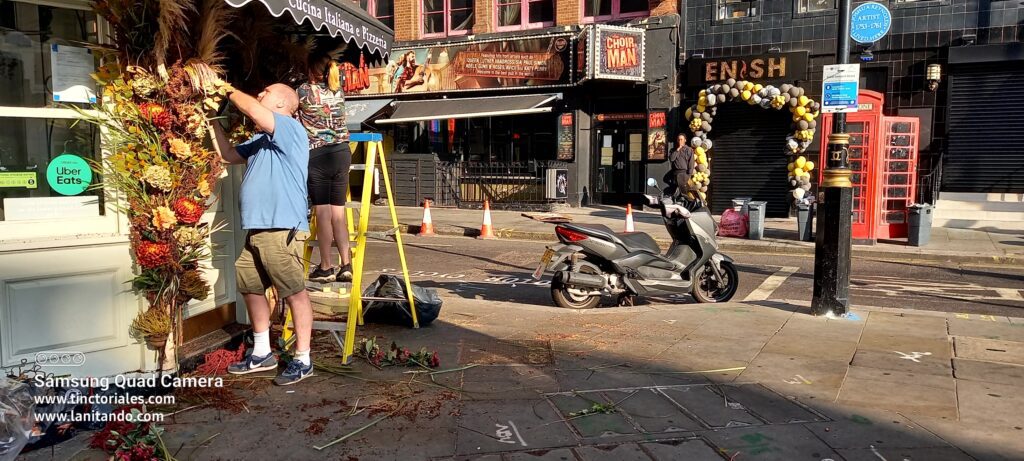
{"x": 322, "y": 112}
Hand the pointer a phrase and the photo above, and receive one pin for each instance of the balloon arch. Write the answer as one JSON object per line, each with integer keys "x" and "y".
{"x": 805, "y": 112}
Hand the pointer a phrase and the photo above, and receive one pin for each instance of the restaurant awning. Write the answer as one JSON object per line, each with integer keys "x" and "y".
{"x": 339, "y": 17}
{"x": 357, "y": 112}
{"x": 443, "y": 109}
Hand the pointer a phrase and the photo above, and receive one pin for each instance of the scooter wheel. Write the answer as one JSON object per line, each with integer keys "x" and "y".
{"x": 564, "y": 299}
{"x": 708, "y": 290}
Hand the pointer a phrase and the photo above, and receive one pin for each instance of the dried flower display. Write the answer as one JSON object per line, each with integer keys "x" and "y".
{"x": 160, "y": 84}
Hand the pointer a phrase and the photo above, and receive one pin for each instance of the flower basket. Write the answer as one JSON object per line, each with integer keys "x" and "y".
{"x": 156, "y": 342}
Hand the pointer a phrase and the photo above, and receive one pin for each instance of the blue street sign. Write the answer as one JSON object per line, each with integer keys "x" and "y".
{"x": 870, "y": 22}
{"x": 840, "y": 88}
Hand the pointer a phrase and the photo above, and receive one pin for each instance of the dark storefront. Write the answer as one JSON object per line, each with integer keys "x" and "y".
{"x": 748, "y": 159}
{"x": 523, "y": 119}
{"x": 973, "y": 146}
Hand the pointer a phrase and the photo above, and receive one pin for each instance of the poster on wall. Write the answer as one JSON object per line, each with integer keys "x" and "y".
{"x": 528, "y": 62}
{"x": 656, "y": 137}
{"x": 619, "y": 53}
{"x": 72, "y": 68}
{"x": 566, "y": 137}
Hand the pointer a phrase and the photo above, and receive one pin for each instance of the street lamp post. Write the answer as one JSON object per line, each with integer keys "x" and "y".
{"x": 835, "y": 218}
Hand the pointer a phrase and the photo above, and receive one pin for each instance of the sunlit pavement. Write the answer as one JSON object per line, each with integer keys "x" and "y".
{"x": 669, "y": 379}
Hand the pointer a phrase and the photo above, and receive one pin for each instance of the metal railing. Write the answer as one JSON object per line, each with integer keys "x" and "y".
{"x": 507, "y": 185}
{"x": 929, "y": 180}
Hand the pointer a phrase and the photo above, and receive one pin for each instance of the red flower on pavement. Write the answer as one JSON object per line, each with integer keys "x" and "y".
{"x": 188, "y": 211}
{"x": 156, "y": 114}
{"x": 151, "y": 255}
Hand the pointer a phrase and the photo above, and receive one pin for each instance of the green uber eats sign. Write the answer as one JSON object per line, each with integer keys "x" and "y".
{"x": 69, "y": 174}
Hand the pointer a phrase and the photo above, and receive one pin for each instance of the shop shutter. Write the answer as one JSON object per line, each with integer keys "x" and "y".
{"x": 748, "y": 158}
{"x": 986, "y": 131}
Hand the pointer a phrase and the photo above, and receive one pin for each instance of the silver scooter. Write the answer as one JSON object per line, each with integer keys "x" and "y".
{"x": 593, "y": 260}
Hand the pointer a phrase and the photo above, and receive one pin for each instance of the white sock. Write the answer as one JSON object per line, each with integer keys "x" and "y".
{"x": 261, "y": 340}
{"x": 302, "y": 356}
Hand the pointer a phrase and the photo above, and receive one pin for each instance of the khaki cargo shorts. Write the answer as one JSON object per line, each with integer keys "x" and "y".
{"x": 268, "y": 260}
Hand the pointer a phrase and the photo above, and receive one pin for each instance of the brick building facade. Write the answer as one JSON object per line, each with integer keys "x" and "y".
{"x": 608, "y": 114}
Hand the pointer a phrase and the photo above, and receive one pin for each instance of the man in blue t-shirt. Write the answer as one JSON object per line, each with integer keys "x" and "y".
{"x": 273, "y": 206}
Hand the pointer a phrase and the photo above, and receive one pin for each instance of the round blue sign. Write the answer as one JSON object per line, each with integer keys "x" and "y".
{"x": 870, "y": 22}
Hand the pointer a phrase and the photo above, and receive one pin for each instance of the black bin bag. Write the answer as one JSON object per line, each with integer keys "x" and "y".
{"x": 428, "y": 303}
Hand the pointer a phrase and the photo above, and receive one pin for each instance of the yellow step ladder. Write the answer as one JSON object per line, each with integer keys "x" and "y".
{"x": 373, "y": 150}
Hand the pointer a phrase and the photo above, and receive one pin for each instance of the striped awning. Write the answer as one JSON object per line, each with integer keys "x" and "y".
{"x": 336, "y": 17}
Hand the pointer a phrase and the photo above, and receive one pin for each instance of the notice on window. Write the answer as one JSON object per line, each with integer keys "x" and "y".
{"x": 35, "y": 208}
{"x": 607, "y": 156}
{"x": 71, "y": 69}
{"x": 636, "y": 147}
{"x": 19, "y": 179}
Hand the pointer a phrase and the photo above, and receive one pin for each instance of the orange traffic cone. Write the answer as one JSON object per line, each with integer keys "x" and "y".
{"x": 629, "y": 218}
{"x": 427, "y": 227}
{"x": 486, "y": 232}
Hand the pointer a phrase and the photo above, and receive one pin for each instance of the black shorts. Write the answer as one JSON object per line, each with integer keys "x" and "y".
{"x": 328, "y": 174}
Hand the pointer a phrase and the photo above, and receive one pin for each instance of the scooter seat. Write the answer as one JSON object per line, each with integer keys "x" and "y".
{"x": 635, "y": 241}
{"x": 639, "y": 241}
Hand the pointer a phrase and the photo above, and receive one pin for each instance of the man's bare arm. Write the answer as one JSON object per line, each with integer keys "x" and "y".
{"x": 251, "y": 107}
{"x": 228, "y": 153}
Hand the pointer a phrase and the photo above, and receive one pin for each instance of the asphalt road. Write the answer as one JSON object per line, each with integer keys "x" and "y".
{"x": 500, "y": 270}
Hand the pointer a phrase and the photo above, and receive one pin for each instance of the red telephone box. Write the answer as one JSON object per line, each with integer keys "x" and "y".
{"x": 883, "y": 158}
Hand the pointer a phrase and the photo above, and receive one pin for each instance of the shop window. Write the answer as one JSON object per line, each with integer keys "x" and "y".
{"x": 814, "y": 6}
{"x": 606, "y": 10}
{"x": 383, "y": 10}
{"x": 447, "y": 17}
{"x": 44, "y": 68}
{"x": 525, "y": 14}
{"x": 737, "y": 9}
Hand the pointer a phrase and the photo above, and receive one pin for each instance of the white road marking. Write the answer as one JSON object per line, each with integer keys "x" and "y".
{"x": 888, "y": 286}
{"x": 772, "y": 283}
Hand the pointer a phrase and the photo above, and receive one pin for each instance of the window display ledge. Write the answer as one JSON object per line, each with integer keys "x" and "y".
{"x": 67, "y": 241}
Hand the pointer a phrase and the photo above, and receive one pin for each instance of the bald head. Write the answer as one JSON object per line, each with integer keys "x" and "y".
{"x": 279, "y": 98}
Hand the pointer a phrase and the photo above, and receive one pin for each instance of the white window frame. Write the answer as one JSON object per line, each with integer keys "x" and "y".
{"x": 48, "y": 233}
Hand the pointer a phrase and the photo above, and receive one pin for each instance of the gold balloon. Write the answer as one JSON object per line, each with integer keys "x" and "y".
{"x": 803, "y": 100}
{"x": 809, "y": 166}
{"x": 746, "y": 95}
{"x": 791, "y": 166}
{"x": 801, "y": 161}
{"x": 700, "y": 151}
{"x": 800, "y": 111}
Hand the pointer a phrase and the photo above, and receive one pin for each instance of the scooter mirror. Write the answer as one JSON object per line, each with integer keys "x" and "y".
{"x": 651, "y": 182}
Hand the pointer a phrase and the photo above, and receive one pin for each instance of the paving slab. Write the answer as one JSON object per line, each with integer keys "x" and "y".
{"x": 561, "y": 454}
{"x": 983, "y": 442}
{"x": 490, "y": 427}
{"x": 583, "y": 376}
{"x": 653, "y": 412}
{"x": 856, "y": 431}
{"x": 897, "y": 378}
{"x": 508, "y": 382}
{"x": 838, "y": 329}
{"x": 991, "y": 404}
{"x": 573, "y": 409}
{"x": 620, "y": 452}
{"x": 906, "y": 454}
{"x": 797, "y": 377}
{"x": 690, "y": 449}
{"x": 797, "y": 345}
{"x": 780, "y": 442}
{"x": 935, "y": 347}
{"x": 991, "y": 372}
{"x": 711, "y": 408}
{"x": 908, "y": 361}
{"x": 985, "y": 329}
{"x": 989, "y": 350}
{"x": 768, "y": 405}
{"x": 905, "y": 398}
